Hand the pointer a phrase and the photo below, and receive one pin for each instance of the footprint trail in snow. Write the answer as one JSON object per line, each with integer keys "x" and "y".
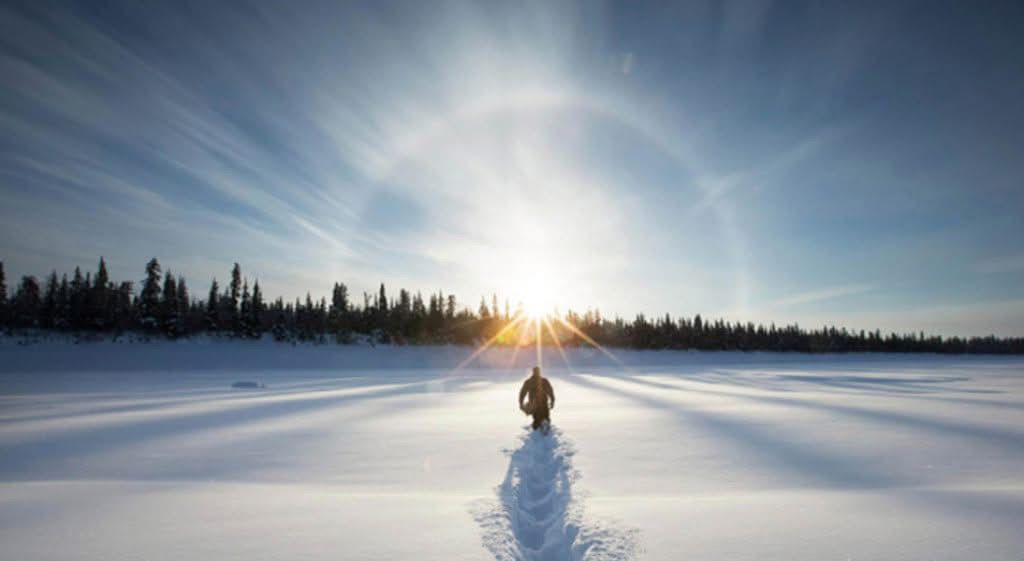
{"x": 537, "y": 517}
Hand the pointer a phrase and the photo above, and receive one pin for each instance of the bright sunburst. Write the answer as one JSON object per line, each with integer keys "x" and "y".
{"x": 538, "y": 298}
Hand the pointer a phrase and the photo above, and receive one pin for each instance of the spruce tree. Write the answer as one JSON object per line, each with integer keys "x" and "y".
{"x": 404, "y": 302}
{"x": 85, "y": 318}
{"x": 234, "y": 297}
{"x": 100, "y": 298}
{"x": 3, "y": 296}
{"x": 418, "y": 308}
{"x": 433, "y": 307}
{"x": 338, "y": 318}
{"x": 50, "y": 305}
{"x": 149, "y": 300}
{"x": 243, "y": 326}
{"x": 62, "y": 317}
{"x": 183, "y": 307}
{"x": 76, "y": 304}
{"x": 321, "y": 320}
{"x": 169, "y": 307}
{"x": 123, "y": 307}
{"x": 339, "y": 298}
{"x": 27, "y": 302}
{"x": 212, "y": 307}
{"x": 279, "y": 329}
{"x": 450, "y": 305}
{"x": 256, "y": 311}
{"x": 303, "y": 318}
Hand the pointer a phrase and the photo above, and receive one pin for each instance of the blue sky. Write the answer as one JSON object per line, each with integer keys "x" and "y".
{"x": 855, "y": 165}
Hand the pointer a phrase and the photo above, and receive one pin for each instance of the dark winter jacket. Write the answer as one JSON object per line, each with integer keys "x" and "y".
{"x": 538, "y": 388}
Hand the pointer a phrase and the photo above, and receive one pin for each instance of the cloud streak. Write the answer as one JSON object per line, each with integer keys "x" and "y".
{"x": 822, "y": 294}
{"x": 1001, "y": 264}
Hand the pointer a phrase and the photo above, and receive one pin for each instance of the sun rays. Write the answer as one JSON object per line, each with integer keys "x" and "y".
{"x": 486, "y": 345}
{"x": 537, "y": 330}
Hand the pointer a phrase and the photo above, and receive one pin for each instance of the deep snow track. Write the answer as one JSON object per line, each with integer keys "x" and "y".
{"x": 537, "y": 518}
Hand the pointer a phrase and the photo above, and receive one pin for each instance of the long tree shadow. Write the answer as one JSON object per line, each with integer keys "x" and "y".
{"x": 1005, "y": 439}
{"x": 929, "y": 388}
{"x": 819, "y": 470}
{"x": 25, "y": 459}
{"x": 762, "y": 443}
{"x": 862, "y": 380}
{"x": 889, "y": 384}
{"x": 157, "y": 401}
{"x": 536, "y": 517}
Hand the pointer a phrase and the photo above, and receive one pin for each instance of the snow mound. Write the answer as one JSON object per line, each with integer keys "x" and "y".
{"x": 537, "y": 518}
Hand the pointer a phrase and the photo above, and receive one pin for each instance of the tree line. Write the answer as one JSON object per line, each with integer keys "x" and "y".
{"x": 163, "y": 306}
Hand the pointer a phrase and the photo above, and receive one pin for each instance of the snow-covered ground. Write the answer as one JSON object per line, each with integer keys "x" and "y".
{"x": 144, "y": 451}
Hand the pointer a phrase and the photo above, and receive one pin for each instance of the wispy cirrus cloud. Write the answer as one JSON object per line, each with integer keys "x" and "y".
{"x": 1013, "y": 263}
{"x": 822, "y": 294}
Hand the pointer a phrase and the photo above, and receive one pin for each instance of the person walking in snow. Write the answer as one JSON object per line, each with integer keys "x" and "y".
{"x": 541, "y": 398}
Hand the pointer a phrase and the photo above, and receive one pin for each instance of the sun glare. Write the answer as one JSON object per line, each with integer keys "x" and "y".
{"x": 538, "y": 301}
{"x": 535, "y": 309}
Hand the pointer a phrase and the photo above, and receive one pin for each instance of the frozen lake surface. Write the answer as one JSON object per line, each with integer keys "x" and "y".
{"x": 146, "y": 451}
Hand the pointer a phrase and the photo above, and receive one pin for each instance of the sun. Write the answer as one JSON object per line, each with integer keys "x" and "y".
{"x": 535, "y": 309}
{"x": 538, "y": 299}
{"x": 525, "y": 264}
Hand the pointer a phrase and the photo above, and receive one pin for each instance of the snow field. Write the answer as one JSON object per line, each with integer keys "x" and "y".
{"x": 356, "y": 453}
